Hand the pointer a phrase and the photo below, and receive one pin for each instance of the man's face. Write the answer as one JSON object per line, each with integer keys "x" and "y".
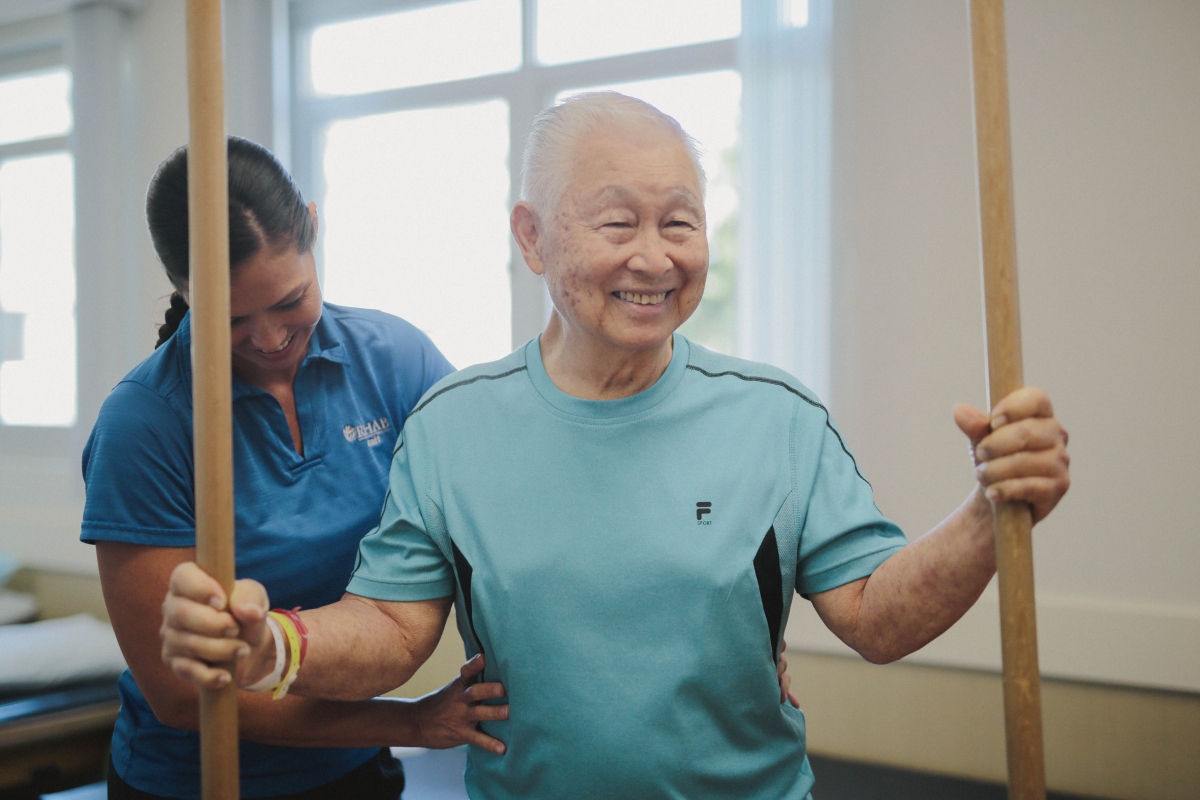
{"x": 626, "y": 256}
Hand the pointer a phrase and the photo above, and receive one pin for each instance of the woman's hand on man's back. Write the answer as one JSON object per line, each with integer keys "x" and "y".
{"x": 451, "y": 715}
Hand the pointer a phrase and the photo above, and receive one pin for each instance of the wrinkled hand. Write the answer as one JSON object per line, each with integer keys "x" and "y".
{"x": 199, "y": 631}
{"x": 451, "y": 715}
{"x": 1020, "y": 451}
{"x": 785, "y": 680}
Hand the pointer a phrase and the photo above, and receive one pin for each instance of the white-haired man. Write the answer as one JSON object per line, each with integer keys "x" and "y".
{"x": 620, "y": 516}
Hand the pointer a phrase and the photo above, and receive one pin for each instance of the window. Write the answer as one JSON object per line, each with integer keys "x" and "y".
{"x": 417, "y": 225}
{"x": 37, "y": 250}
{"x": 434, "y": 44}
{"x": 412, "y": 150}
{"x": 583, "y": 30}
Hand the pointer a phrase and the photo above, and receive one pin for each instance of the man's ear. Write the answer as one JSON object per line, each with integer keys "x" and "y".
{"x": 526, "y": 229}
{"x": 312, "y": 214}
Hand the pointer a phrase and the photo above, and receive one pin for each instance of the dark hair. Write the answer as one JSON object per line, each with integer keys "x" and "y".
{"x": 265, "y": 210}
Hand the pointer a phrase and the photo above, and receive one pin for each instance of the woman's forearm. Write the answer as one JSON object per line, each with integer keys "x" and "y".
{"x": 307, "y": 722}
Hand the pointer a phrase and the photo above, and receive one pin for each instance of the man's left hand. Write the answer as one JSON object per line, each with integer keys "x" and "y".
{"x": 1020, "y": 451}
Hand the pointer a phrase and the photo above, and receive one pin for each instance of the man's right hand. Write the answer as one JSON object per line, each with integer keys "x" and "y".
{"x": 199, "y": 630}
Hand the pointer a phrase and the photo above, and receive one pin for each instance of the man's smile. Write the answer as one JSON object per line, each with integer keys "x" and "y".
{"x": 643, "y": 299}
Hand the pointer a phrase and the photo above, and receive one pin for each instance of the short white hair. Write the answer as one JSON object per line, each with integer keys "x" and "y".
{"x": 557, "y": 131}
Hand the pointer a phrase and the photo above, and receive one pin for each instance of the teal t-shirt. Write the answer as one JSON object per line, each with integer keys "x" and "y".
{"x": 627, "y": 567}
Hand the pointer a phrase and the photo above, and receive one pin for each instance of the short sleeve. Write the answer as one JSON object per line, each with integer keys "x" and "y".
{"x": 424, "y": 365}
{"x": 137, "y": 467}
{"x": 436, "y": 365}
{"x": 845, "y": 537}
{"x": 399, "y": 560}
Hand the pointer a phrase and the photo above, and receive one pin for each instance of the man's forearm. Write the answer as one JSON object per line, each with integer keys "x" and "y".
{"x": 918, "y": 593}
{"x": 357, "y": 651}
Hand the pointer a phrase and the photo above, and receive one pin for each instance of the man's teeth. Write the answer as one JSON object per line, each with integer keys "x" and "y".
{"x": 643, "y": 299}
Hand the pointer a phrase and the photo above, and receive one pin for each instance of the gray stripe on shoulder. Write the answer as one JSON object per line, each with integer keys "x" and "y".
{"x": 795, "y": 391}
{"x": 467, "y": 382}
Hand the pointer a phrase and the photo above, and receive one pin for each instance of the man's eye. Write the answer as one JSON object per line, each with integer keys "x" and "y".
{"x": 235, "y": 321}
{"x": 291, "y": 305}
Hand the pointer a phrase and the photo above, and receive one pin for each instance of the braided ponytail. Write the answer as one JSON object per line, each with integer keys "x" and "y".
{"x": 265, "y": 209}
{"x": 174, "y": 316}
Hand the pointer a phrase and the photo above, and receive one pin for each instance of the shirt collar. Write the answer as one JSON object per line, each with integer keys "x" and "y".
{"x": 325, "y": 343}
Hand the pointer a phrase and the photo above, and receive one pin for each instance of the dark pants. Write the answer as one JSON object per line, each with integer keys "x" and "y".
{"x": 381, "y": 778}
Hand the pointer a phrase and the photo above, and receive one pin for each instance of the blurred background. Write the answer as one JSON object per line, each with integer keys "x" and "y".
{"x": 839, "y": 145}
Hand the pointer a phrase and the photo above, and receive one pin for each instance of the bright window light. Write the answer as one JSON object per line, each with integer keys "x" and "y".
{"x": 37, "y": 290}
{"x": 416, "y": 223}
{"x": 793, "y": 13}
{"x": 579, "y": 30}
{"x": 707, "y": 106}
{"x": 434, "y": 44}
{"x": 35, "y": 106}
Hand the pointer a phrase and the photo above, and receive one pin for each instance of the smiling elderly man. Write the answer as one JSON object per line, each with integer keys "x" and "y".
{"x": 620, "y": 516}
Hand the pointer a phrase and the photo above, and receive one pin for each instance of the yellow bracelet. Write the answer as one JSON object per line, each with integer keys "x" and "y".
{"x": 293, "y": 637}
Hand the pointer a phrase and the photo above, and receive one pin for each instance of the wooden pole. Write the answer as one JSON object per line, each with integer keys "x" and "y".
{"x": 208, "y": 237}
{"x": 1014, "y": 543}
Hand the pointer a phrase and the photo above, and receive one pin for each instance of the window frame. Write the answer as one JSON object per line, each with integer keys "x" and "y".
{"x": 528, "y": 90}
{"x": 36, "y": 46}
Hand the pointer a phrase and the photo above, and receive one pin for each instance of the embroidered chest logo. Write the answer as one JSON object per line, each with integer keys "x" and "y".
{"x": 701, "y": 510}
{"x": 370, "y": 432}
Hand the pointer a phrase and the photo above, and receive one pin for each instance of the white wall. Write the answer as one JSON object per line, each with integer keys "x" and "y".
{"x": 1105, "y": 98}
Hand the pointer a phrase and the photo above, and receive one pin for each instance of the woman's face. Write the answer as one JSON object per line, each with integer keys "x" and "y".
{"x": 274, "y": 305}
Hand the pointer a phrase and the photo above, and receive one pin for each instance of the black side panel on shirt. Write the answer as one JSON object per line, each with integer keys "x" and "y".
{"x": 770, "y": 586}
{"x": 463, "y": 568}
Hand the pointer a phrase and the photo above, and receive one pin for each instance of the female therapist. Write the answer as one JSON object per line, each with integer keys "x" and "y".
{"x": 319, "y": 394}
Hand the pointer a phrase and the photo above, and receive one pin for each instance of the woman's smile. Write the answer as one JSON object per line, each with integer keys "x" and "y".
{"x": 279, "y": 351}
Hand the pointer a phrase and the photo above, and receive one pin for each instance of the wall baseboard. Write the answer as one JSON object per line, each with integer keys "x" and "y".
{"x": 1100, "y": 741}
{"x": 61, "y": 594}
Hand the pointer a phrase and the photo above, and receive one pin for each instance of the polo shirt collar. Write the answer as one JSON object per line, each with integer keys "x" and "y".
{"x": 326, "y": 343}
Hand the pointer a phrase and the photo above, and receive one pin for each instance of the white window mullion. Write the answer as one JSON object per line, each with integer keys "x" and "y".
{"x": 783, "y": 283}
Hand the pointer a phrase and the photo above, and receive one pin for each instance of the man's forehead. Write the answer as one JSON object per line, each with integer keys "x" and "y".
{"x": 617, "y": 194}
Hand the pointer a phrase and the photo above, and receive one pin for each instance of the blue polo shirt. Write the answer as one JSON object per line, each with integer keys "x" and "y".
{"x": 299, "y": 519}
{"x": 627, "y": 567}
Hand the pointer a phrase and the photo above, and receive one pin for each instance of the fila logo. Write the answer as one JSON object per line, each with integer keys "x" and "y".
{"x": 702, "y": 509}
{"x": 368, "y": 431}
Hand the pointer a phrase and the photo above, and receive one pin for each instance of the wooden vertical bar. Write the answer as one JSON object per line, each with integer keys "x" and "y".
{"x": 208, "y": 236}
{"x": 1013, "y": 521}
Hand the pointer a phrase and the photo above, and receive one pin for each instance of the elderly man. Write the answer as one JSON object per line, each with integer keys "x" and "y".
{"x": 620, "y": 517}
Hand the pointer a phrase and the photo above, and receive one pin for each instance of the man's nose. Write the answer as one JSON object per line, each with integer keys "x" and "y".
{"x": 651, "y": 254}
